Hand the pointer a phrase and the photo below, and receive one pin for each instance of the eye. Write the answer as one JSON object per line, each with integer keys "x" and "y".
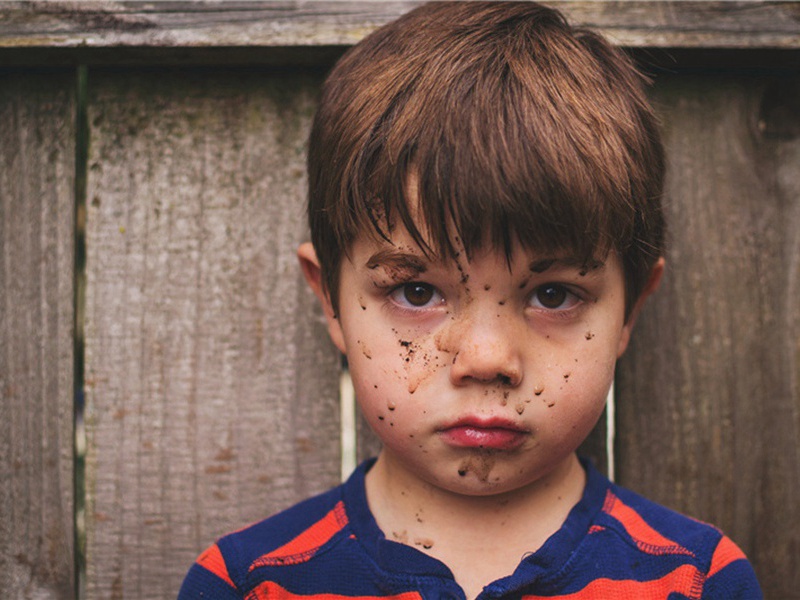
{"x": 554, "y": 296}
{"x": 416, "y": 295}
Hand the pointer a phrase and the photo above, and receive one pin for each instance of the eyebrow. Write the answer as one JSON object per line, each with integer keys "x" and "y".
{"x": 396, "y": 259}
{"x": 570, "y": 262}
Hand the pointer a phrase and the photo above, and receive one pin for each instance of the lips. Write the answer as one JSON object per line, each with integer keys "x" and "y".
{"x": 493, "y": 434}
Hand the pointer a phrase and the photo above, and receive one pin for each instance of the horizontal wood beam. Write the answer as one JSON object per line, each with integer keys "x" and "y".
{"x": 104, "y": 25}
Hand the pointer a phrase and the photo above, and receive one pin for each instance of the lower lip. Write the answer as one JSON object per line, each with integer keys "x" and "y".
{"x": 494, "y": 438}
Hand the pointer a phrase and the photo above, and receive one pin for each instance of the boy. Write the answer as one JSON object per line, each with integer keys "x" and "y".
{"x": 485, "y": 214}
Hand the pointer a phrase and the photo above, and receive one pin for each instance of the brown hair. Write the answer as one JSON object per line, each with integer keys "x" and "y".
{"x": 516, "y": 126}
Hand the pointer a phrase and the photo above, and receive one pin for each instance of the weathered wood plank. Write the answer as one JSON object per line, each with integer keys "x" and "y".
{"x": 709, "y": 392}
{"x": 37, "y": 165}
{"x": 224, "y": 23}
{"x": 211, "y": 388}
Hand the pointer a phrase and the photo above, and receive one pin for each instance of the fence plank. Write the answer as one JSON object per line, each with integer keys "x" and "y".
{"x": 211, "y": 393}
{"x": 709, "y": 405}
{"x": 126, "y": 23}
{"x": 37, "y": 165}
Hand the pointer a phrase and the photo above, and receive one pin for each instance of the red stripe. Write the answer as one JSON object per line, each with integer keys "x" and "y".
{"x": 305, "y": 545}
{"x": 647, "y": 539}
{"x": 686, "y": 580}
{"x": 725, "y": 553}
{"x": 269, "y": 590}
{"x": 212, "y": 560}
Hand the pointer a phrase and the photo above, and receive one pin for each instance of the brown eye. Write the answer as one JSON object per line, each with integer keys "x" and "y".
{"x": 418, "y": 294}
{"x": 552, "y": 295}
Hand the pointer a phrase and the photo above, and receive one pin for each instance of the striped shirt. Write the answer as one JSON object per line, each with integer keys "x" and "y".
{"x": 614, "y": 544}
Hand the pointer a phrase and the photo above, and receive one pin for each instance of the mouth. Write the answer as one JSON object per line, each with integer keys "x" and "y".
{"x": 490, "y": 434}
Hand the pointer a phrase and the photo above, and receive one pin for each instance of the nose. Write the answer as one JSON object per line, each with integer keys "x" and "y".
{"x": 487, "y": 351}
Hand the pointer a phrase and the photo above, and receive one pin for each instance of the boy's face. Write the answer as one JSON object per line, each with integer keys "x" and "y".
{"x": 479, "y": 377}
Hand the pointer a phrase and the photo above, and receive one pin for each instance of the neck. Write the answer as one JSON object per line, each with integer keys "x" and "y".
{"x": 439, "y": 521}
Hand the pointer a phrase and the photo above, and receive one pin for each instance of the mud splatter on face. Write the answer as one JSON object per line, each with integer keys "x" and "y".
{"x": 520, "y": 407}
{"x": 391, "y": 405}
{"x": 479, "y": 464}
{"x": 419, "y": 364}
{"x": 426, "y": 543}
{"x": 364, "y": 350}
{"x": 538, "y": 389}
{"x": 589, "y": 335}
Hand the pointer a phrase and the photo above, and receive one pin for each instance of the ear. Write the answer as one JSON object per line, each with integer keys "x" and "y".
{"x": 656, "y": 273}
{"x": 309, "y": 263}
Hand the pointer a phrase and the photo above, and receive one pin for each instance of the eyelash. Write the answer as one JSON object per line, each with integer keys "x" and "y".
{"x": 573, "y": 297}
{"x": 398, "y": 295}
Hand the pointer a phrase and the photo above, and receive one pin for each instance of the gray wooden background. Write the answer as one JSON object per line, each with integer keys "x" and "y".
{"x": 150, "y": 205}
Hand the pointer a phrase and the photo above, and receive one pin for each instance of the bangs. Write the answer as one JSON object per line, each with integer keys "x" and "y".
{"x": 505, "y": 152}
{"x": 487, "y": 124}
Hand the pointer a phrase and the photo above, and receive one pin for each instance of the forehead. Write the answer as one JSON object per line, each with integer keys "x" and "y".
{"x": 401, "y": 254}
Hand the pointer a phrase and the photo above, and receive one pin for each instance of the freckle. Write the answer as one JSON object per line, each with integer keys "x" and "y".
{"x": 375, "y": 386}
{"x": 538, "y": 389}
{"x": 589, "y": 335}
{"x": 462, "y": 471}
{"x": 380, "y": 417}
{"x": 551, "y": 404}
{"x": 502, "y": 303}
{"x": 487, "y": 287}
{"x": 523, "y": 284}
{"x": 566, "y": 376}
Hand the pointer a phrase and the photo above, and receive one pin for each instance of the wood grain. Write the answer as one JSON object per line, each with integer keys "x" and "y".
{"x": 225, "y": 23}
{"x": 211, "y": 384}
{"x": 37, "y": 166}
{"x": 709, "y": 392}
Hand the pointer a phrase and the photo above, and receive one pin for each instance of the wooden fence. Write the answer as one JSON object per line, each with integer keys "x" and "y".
{"x": 151, "y": 199}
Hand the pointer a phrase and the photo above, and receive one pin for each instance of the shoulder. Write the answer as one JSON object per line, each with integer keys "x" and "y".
{"x": 289, "y": 537}
{"x": 671, "y": 547}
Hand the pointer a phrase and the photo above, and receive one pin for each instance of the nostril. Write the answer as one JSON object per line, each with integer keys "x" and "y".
{"x": 504, "y": 379}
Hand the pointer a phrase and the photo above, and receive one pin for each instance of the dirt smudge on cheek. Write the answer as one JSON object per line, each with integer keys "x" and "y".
{"x": 364, "y": 350}
{"x": 520, "y": 407}
{"x": 538, "y": 389}
{"x": 419, "y": 361}
{"x": 426, "y": 543}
